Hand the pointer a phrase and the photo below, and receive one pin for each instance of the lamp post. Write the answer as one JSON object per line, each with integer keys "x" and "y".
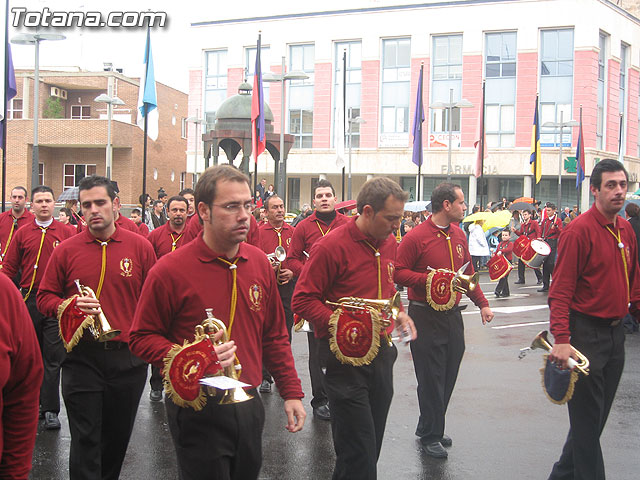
{"x": 352, "y": 122}
{"x": 280, "y": 171}
{"x": 560, "y": 125}
{"x": 110, "y": 101}
{"x": 197, "y": 121}
{"x": 35, "y": 39}
{"x": 449, "y": 106}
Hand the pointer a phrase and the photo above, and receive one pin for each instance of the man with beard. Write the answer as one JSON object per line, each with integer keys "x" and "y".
{"x": 311, "y": 229}
{"x": 12, "y": 220}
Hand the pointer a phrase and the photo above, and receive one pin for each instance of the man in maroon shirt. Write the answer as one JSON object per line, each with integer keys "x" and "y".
{"x": 136, "y": 217}
{"x": 218, "y": 270}
{"x": 29, "y": 254}
{"x": 195, "y": 227}
{"x": 20, "y": 379}
{"x": 101, "y": 381}
{"x": 189, "y": 194}
{"x": 530, "y": 228}
{"x": 322, "y": 221}
{"x": 277, "y": 233}
{"x": 12, "y": 220}
{"x": 550, "y": 232}
{"x": 595, "y": 279}
{"x": 437, "y": 353}
{"x": 356, "y": 260}
{"x": 166, "y": 239}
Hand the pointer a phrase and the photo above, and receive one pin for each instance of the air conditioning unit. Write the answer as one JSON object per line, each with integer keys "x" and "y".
{"x": 58, "y": 92}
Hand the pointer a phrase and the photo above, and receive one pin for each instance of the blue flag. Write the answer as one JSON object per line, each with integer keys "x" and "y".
{"x": 10, "y": 93}
{"x": 147, "y": 97}
{"x": 580, "y": 163}
{"x": 417, "y": 124}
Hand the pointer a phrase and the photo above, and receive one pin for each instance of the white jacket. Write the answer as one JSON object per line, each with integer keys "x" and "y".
{"x": 478, "y": 246}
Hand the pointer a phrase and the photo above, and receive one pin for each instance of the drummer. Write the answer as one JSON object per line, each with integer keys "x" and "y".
{"x": 505, "y": 249}
{"x": 551, "y": 228}
{"x": 531, "y": 229}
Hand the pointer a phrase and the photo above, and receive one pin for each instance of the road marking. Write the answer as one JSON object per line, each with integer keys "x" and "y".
{"x": 515, "y": 325}
{"x": 511, "y": 310}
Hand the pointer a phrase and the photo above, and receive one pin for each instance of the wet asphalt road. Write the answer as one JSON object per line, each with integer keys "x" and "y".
{"x": 501, "y": 424}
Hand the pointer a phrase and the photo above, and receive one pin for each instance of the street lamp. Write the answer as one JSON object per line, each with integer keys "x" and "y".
{"x": 449, "y": 106}
{"x": 35, "y": 39}
{"x": 197, "y": 121}
{"x": 280, "y": 172}
{"x": 352, "y": 122}
{"x": 560, "y": 125}
{"x": 110, "y": 101}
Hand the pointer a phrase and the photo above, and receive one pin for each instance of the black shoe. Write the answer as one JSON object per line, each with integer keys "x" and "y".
{"x": 539, "y": 282}
{"x": 446, "y": 441}
{"x": 322, "y": 412}
{"x": 51, "y": 421}
{"x": 497, "y": 294}
{"x": 436, "y": 450}
{"x": 519, "y": 282}
{"x": 505, "y": 295}
{"x": 543, "y": 289}
{"x": 155, "y": 395}
{"x": 265, "y": 387}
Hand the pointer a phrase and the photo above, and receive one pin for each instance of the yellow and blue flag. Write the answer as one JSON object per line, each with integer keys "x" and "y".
{"x": 534, "y": 159}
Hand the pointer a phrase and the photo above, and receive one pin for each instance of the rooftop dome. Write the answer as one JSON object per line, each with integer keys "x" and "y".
{"x": 238, "y": 107}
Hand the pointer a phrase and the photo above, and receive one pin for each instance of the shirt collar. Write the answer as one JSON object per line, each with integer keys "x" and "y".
{"x": 603, "y": 221}
{"x": 358, "y": 236}
{"x": 206, "y": 255}
{"x": 89, "y": 238}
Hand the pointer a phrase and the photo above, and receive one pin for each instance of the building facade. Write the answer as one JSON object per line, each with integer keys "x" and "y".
{"x": 72, "y": 133}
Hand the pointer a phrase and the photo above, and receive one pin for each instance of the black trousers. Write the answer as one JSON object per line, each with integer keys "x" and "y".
{"x": 155, "y": 379}
{"x": 502, "y": 288}
{"x": 220, "y": 442}
{"x": 360, "y": 398}
{"x": 317, "y": 360}
{"x": 53, "y": 354}
{"x": 521, "y": 270}
{"x": 593, "y": 396}
{"x": 437, "y": 354}
{"x": 286, "y": 293}
{"x": 101, "y": 390}
{"x": 549, "y": 262}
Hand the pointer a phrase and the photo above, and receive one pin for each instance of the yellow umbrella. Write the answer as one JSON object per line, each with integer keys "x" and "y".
{"x": 498, "y": 219}
{"x": 477, "y": 216}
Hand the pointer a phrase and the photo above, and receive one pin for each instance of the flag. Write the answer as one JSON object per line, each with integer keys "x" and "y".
{"x": 147, "y": 97}
{"x": 479, "y": 143}
{"x": 340, "y": 94}
{"x": 10, "y": 93}
{"x": 418, "y": 119}
{"x": 258, "y": 139}
{"x": 534, "y": 159}
{"x": 580, "y": 162}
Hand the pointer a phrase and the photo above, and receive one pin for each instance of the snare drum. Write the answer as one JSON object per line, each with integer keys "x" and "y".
{"x": 499, "y": 267}
{"x": 535, "y": 255}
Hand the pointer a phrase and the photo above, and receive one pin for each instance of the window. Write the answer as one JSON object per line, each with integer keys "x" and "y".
{"x": 14, "y": 110}
{"x": 602, "y": 55}
{"x": 293, "y": 193}
{"x": 73, "y": 173}
{"x": 215, "y": 86}
{"x": 183, "y": 179}
{"x": 623, "y": 76}
{"x": 41, "y": 173}
{"x": 353, "y": 87}
{"x": 194, "y": 180}
{"x": 510, "y": 188}
{"x": 301, "y": 57}
{"x": 556, "y": 83}
{"x": 250, "y": 65}
{"x": 500, "y": 89}
{"x": 396, "y": 84}
{"x": 80, "y": 112}
{"x": 446, "y": 80}
{"x": 183, "y": 128}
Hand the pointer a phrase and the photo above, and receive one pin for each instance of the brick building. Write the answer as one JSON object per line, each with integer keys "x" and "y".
{"x": 73, "y": 144}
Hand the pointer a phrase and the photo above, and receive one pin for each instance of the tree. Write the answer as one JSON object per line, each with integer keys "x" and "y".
{"x": 53, "y": 108}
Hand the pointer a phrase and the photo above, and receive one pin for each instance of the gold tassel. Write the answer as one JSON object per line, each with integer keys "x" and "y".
{"x": 79, "y": 331}
{"x": 570, "y": 389}
{"x": 375, "y": 342}
{"x": 436, "y": 306}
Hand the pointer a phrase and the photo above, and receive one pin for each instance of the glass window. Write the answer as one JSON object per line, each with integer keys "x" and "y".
{"x": 183, "y": 128}
{"x": 623, "y": 76}
{"x": 80, "y": 112}
{"x": 602, "y": 43}
{"x": 500, "y": 89}
{"x": 73, "y": 173}
{"x": 41, "y": 173}
{"x": 301, "y": 57}
{"x": 353, "y": 87}
{"x": 446, "y": 76}
{"x": 293, "y": 194}
{"x": 14, "y": 110}
{"x": 215, "y": 84}
{"x": 396, "y": 82}
{"x": 265, "y": 64}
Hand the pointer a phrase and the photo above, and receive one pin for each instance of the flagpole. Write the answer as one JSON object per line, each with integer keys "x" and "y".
{"x": 146, "y": 118}
{"x": 482, "y": 148}
{"x": 4, "y": 117}
{"x": 578, "y": 160}
{"x": 419, "y": 182}
{"x": 344, "y": 120}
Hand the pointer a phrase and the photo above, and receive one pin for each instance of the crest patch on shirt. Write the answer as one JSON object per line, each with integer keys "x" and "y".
{"x": 255, "y": 297}
{"x": 126, "y": 267}
{"x": 56, "y": 243}
{"x": 459, "y": 251}
{"x": 288, "y": 241}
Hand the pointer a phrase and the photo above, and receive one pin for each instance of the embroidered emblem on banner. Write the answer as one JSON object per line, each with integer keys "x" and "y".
{"x": 390, "y": 269}
{"x": 126, "y": 267}
{"x": 255, "y": 297}
{"x": 440, "y": 294}
{"x": 459, "y": 251}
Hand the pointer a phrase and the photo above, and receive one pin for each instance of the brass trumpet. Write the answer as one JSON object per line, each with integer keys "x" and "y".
{"x": 541, "y": 341}
{"x": 100, "y": 327}
{"x": 278, "y": 256}
{"x": 212, "y": 325}
{"x": 389, "y": 308}
{"x": 465, "y": 283}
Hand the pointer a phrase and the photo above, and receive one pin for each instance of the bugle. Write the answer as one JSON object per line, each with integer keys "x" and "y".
{"x": 541, "y": 342}
{"x": 100, "y": 327}
{"x": 278, "y": 256}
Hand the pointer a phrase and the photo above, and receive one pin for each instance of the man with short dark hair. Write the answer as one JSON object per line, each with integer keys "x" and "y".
{"x": 356, "y": 260}
{"x": 189, "y": 194}
{"x": 550, "y": 230}
{"x": 596, "y": 279}
{"x": 323, "y": 220}
{"x": 136, "y": 217}
{"x": 157, "y": 214}
{"x": 12, "y": 220}
{"x": 437, "y": 243}
{"x": 101, "y": 380}
{"x": 29, "y": 253}
{"x": 213, "y": 439}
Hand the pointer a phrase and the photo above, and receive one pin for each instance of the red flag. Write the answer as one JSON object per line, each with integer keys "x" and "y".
{"x": 258, "y": 138}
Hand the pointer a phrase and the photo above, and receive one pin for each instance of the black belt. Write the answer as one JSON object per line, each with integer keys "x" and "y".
{"x": 597, "y": 321}
{"x": 108, "y": 345}
{"x": 417, "y": 303}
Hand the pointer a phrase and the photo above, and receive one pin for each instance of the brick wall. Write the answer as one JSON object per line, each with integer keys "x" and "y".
{"x": 613, "y": 106}
{"x": 526, "y": 88}
{"x": 585, "y": 93}
{"x": 322, "y": 106}
{"x": 632, "y": 113}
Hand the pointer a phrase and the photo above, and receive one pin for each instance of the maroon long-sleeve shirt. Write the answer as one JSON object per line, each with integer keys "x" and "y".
{"x": 342, "y": 265}
{"x": 6, "y": 222}
{"x": 129, "y": 259}
{"x": 306, "y": 233}
{"x": 551, "y": 228}
{"x": 426, "y": 246}
{"x": 506, "y": 247}
{"x": 20, "y": 379}
{"x": 184, "y": 284}
{"x": 269, "y": 239}
{"x": 531, "y": 229}
{"x": 589, "y": 275}
{"x": 162, "y": 239}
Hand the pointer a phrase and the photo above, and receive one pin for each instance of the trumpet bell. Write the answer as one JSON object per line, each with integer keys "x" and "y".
{"x": 278, "y": 256}
{"x": 234, "y": 395}
{"x": 541, "y": 341}
{"x": 465, "y": 283}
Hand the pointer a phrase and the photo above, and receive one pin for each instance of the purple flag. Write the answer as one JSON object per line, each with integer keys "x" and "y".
{"x": 417, "y": 124}
{"x": 10, "y": 93}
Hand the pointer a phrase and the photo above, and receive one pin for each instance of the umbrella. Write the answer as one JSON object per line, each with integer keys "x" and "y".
{"x": 347, "y": 204}
{"x": 419, "y": 206}
{"x": 70, "y": 194}
{"x": 498, "y": 219}
{"x": 524, "y": 199}
{"x": 520, "y": 206}
{"x": 477, "y": 216}
{"x": 492, "y": 230}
